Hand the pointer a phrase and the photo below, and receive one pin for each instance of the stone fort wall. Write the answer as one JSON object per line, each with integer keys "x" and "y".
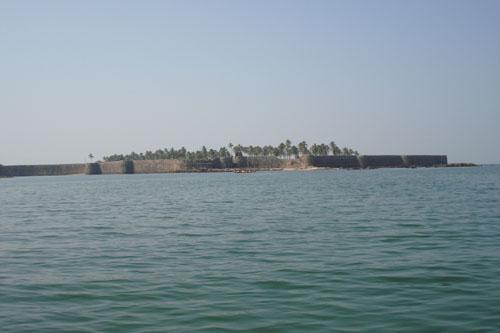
{"x": 159, "y": 166}
{"x": 381, "y": 161}
{"x": 340, "y": 161}
{"x": 424, "y": 160}
{"x": 165, "y": 166}
{"x": 109, "y": 168}
{"x": 42, "y": 170}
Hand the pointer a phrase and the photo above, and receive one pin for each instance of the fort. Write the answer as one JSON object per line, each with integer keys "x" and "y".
{"x": 226, "y": 164}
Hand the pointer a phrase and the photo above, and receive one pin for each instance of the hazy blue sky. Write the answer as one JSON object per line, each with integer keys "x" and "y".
{"x": 385, "y": 77}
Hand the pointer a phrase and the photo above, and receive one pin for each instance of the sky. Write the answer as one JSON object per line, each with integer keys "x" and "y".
{"x": 382, "y": 77}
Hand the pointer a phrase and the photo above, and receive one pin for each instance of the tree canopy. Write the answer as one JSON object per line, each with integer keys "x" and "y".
{"x": 284, "y": 149}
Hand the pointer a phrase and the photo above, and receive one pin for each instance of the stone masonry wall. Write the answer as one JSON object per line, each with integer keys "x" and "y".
{"x": 203, "y": 164}
{"x": 425, "y": 160}
{"x": 107, "y": 168}
{"x": 163, "y": 166}
{"x": 159, "y": 166}
{"x": 43, "y": 170}
{"x": 337, "y": 161}
{"x": 259, "y": 162}
{"x": 381, "y": 161}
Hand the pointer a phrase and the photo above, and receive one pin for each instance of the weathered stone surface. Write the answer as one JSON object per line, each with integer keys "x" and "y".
{"x": 93, "y": 169}
{"x": 128, "y": 167}
{"x": 255, "y": 162}
{"x": 425, "y": 160}
{"x": 264, "y": 162}
{"x": 203, "y": 164}
{"x": 337, "y": 161}
{"x": 42, "y": 170}
{"x": 381, "y": 161}
{"x": 111, "y": 167}
{"x": 159, "y": 166}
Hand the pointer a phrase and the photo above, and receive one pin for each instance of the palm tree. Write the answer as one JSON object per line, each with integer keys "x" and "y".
{"x": 237, "y": 149}
{"x": 212, "y": 154}
{"x": 282, "y": 149}
{"x": 182, "y": 153}
{"x": 303, "y": 148}
{"x": 288, "y": 145}
{"x": 91, "y": 157}
{"x": 245, "y": 150}
{"x": 333, "y": 147}
{"x": 267, "y": 150}
{"x": 204, "y": 152}
{"x": 325, "y": 149}
{"x": 257, "y": 150}
{"x": 314, "y": 149}
{"x": 223, "y": 152}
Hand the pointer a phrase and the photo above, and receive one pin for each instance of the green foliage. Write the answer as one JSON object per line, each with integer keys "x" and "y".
{"x": 283, "y": 150}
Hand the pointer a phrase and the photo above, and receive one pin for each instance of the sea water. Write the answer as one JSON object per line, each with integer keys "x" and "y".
{"x": 310, "y": 251}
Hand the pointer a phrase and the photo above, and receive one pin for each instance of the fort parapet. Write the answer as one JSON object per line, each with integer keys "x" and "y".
{"x": 240, "y": 162}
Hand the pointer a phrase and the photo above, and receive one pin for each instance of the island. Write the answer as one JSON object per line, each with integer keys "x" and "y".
{"x": 233, "y": 158}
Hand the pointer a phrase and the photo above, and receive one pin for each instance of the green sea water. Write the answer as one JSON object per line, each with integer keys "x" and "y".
{"x": 388, "y": 250}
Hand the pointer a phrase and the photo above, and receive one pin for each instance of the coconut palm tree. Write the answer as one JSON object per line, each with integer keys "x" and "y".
{"x": 333, "y": 147}
{"x": 237, "y": 149}
{"x": 288, "y": 145}
{"x": 314, "y": 149}
{"x": 303, "y": 148}
{"x": 325, "y": 149}
{"x": 282, "y": 149}
{"x": 224, "y": 153}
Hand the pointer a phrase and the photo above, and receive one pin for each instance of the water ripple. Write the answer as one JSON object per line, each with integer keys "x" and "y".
{"x": 348, "y": 251}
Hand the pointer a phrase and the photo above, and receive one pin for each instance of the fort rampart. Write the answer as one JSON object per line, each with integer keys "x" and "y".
{"x": 159, "y": 166}
{"x": 166, "y": 166}
{"x": 42, "y": 170}
{"x": 341, "y": 161}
